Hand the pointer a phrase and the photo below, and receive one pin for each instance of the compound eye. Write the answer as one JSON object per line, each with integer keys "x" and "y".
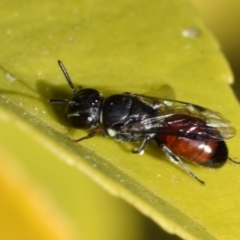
{"x": 80, "y": 121}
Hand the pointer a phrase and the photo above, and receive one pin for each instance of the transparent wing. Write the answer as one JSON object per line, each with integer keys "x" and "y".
{"x": 180, "y": 118}
{"x": 164, "y": 92}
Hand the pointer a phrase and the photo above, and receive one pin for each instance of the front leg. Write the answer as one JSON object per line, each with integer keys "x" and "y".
{"x": 91, "y": 134}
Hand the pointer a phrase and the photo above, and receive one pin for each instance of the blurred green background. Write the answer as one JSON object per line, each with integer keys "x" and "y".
{"x": 222, "y": 18}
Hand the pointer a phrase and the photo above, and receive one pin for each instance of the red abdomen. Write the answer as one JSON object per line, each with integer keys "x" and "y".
{"x": 195, "y": 150}
{"x": 195, "y": 147}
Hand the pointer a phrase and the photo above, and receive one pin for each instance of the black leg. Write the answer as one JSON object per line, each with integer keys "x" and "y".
{"x": 236, "y": 162}
{"x": 144, "y": 143}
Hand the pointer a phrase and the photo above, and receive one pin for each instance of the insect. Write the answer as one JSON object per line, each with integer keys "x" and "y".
{"x": 182, "y": 130}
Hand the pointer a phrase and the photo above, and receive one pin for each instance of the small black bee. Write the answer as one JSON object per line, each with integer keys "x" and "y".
{"x": 181, "y": 130}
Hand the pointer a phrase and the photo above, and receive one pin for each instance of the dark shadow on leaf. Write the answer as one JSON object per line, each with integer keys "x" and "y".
{"x": 48, "y": 91}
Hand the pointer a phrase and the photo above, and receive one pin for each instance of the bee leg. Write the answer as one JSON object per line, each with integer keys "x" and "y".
{"x": 236, "y": 162}
{"x": 91, "y": 134}
{"x": 144, "y": 143}
{"x": 176, "y": 160}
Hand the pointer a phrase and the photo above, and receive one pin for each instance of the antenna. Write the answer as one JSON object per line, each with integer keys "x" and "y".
{"x": 64, "y": 70}
{"x": 65, "y": 101}
{"x": 61, "y": 101}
